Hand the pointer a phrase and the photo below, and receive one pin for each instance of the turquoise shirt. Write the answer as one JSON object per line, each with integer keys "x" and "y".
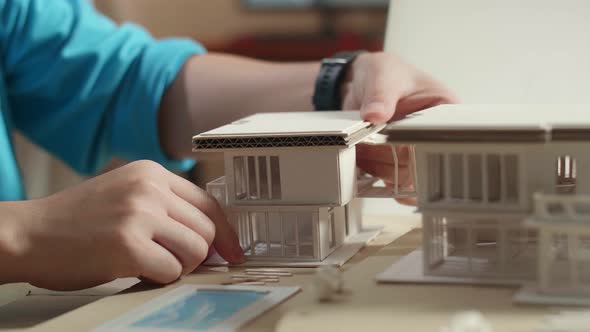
{"x": 80, "y": 87}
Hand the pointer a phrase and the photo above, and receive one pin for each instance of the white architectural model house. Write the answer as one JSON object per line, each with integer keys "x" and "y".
{"x": 290, "y": 185}
{"x": 504, "y": 198}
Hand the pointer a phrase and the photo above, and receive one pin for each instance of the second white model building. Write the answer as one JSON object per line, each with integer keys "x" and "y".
{"x": 503, "y": 193}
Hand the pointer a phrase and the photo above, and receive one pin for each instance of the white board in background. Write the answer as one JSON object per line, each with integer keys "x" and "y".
{"x": 500, "y": 51}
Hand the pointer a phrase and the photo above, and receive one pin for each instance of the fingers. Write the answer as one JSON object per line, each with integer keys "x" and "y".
{"x": 427, "y": 93}
{"x": 378, "y": 161}
{"x": 391, "y": 89}
{"x": 188, "y": 247}
{"x": 385, "y": 171}
{"x": 381, "y": 90}
{"x": 409, "y": 201}
{"x": 157, "y": 264}
{"x": 383, "y": 153}
{"x": 421, "y": 100}
{"x": 225, "y": 241}
{"x": 188, "y": 215}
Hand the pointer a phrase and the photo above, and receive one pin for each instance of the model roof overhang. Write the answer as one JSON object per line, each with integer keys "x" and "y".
{"x": 493, "y": 123}
{"x": 280, "y": 130}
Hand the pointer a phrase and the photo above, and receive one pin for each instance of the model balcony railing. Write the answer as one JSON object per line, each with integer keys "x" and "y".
{"x": 562, "y": 207}
{"x": 217, "y": 189}
{"x": 402, "y": 181}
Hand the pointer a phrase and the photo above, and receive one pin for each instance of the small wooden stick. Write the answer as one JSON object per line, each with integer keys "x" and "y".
{"x": 255, "y": 279}
{"x": 267, "y": 270}
{"x": 275, "y": 274}
{"x": 253, "y": 283}
{"x": 248, "y": 276}
{"x": 246, "y": 282}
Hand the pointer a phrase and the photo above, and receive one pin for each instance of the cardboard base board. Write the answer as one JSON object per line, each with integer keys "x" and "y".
{"x": 409, "y": 269}
{"x": 529, "y": 295}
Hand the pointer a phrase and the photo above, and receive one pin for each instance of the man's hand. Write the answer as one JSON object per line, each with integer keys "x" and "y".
{"x": 137, "y": 221}
{"x": 386, "y": 88}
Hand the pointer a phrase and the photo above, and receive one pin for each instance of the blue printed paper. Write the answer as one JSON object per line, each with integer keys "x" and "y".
{"x": 202, "y": 310}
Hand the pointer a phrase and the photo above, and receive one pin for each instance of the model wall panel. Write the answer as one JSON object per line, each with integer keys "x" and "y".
{"x": 310, "y": 176}
{"x": 307, "y": 176}
{"x": 353, "y": 217}
{"x": 348, "y": 174}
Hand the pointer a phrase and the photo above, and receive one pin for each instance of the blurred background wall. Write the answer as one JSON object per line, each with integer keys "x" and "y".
{"x": 219, "y": 21}
{"x": 287, "y": 30}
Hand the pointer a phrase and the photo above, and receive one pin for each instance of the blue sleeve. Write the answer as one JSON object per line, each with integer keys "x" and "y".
{"x": 83, "y": 88}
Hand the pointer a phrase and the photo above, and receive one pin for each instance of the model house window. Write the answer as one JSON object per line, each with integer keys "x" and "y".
{"x": 275, "y": 177}
{"x": 240, "y": 177}
{"x": 257, "y": 178}
{"x": 436, "y": 176}
{"x": 510, "y": 178}
{"x": 566, "y": 175}
{"x": 475, "y": 178}
{"x": 494, "y": 181}
{"x": 253, "y": 178}
{"x": 276, "y": 234}
{"x": 298, "y": 234}
{"x": 456, "y": 177}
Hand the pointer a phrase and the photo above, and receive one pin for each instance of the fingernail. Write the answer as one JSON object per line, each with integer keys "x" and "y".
{"x": 374, "y": 112}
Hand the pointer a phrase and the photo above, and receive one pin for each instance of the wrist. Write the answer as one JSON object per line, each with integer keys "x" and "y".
{"x": 14, "y": 218}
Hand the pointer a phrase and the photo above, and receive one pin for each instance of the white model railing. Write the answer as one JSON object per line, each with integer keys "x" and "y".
{"x": 368, "y": 186}
{"x": 217, "y": 189}
{"x": 562, "y": 207}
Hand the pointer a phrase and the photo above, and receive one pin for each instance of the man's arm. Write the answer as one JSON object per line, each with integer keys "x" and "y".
{"x": 214, "y": 89}
{"x": 84, "y": 88}
{"x": 87, "y": 90}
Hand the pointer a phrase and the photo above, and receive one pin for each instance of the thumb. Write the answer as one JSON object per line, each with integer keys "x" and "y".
{"x": 381, "y": 94}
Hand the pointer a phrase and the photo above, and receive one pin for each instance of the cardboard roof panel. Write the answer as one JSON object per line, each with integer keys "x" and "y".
{"x": 500, "y": 123}
{"x": 278, "y": 130}
{"x": 292, "y": 124}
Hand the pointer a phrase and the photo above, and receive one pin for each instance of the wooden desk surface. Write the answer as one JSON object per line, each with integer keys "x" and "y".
{"x": 370, "y": 306}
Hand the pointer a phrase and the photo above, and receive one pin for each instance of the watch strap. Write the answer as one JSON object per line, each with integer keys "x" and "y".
{"x": 327, "y": 95}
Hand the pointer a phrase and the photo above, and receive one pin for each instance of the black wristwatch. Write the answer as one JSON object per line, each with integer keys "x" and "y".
{"x": 328, "y": 84}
